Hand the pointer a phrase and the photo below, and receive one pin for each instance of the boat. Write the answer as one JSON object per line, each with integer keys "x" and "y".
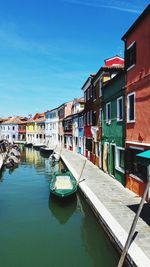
{"x": 63, "y": 185}
{"x": 37, "y": 145}
{"x": 46, "y": 150}
{"x": 28, "y": 144}
{"x": 54, "y": 157}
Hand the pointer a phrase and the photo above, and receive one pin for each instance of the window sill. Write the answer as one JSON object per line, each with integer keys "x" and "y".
{"x": 133, "y": 121}
{"x": 132, "y": 66}
{"x": 119, "y": 120}
{"x": 119, "y": 169}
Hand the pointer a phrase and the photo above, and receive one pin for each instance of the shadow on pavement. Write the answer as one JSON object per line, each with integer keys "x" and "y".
{"x": 145, "y": 213}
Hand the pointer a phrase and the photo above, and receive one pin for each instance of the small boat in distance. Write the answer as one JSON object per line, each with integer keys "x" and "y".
{"x": 37, "y": 145}
{"x": 63, "y": 185}
{"x": 28, "y": 144}
{"x": 46, "y": 150}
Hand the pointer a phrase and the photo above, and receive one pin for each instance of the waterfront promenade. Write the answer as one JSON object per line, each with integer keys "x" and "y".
{"x": 112, "y": 204}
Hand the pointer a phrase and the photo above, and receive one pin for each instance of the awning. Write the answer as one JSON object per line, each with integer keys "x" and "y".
{"x": 144, "y": 157}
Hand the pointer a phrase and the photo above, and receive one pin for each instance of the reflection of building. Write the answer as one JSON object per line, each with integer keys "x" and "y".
{"x": 137, "y": 64}
{"x": 97, "y": 245}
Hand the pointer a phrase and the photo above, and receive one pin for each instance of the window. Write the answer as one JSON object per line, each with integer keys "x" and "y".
{"x": 13, "y": 128}
{"x": 130, "y": 56}
{"x": 88, "y": 144}
{"x": 120, "y": 159}
{"x": 91, "y": 113}
{"x": 131, "y": 107}
{"x": 94, "y": 118}
{"x": 91, "y": 92}
{"x": 119, "y": 109}
{"x": 88, "y": 93}
{"x": 94, "y": 93}
{"x": 85, "y": 96}
{"x": 100, "y": 117}
{"x": 108, "y": 113}
{"x": 133, "y": 166}
{"x": 100, "y": 87}
{"x": 88, "y": 118}
{"x": 85, "y": 119}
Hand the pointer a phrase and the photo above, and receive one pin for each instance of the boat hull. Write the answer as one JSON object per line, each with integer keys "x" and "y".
{"x": 46, "y": 151}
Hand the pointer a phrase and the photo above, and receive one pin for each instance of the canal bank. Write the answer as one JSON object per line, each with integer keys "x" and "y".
{"x": 113, "y": 204}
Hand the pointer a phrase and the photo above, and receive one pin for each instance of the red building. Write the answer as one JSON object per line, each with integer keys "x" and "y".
{"x": 137, "y": 65}
{"x": 88, "y": 118}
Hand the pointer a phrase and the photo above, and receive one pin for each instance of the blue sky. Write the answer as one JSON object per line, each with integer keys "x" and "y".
{"x": 49, "y": 47}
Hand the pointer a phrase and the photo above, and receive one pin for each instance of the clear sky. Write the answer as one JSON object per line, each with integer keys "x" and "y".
{"x": 49, "y": 47}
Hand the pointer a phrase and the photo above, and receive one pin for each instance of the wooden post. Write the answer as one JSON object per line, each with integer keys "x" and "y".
{"x": 81, "y": 171}
{"x": 130, "y": 236}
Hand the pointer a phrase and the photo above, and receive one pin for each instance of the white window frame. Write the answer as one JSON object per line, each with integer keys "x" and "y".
{"x": 108, "y": 121}
{"x": 128, "y": 108}
{"x": 117, "y": 154}
{"x": 118, "y": 110}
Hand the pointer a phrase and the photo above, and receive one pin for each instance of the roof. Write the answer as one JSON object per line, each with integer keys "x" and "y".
{"x": 88, "y": 79}
{"x": 15, "y": 120}
{"x": 78, "y": 100}
{"x": 145, "y": 13}
{"x": 108, "y": 68}
{"x": 117, "y": 76}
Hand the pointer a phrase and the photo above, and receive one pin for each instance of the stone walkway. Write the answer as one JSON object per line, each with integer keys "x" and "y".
{"x": 111, "y": 202}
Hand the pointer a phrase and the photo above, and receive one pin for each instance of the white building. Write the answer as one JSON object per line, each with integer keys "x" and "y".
{"x": 51, "y": 127}
{"x": 10, "y": 129}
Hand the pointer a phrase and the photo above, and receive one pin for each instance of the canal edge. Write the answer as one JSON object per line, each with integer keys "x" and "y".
{"x": 112, "y": 228}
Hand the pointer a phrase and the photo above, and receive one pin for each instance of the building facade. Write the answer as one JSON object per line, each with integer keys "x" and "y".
{"x": 63, "y": 111}
{"x": 51, "y": 127}
{"x": 113, "y": 127}
{"x": 137, "y": 65}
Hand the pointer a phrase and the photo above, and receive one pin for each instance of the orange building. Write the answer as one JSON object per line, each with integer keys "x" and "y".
{"x": 137, "y": 65}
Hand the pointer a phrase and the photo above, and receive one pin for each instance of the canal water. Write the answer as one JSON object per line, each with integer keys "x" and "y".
{"x": 38, "y": 231}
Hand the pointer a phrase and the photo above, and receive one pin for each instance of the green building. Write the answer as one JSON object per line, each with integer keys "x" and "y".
{"x": 113, "y": 127}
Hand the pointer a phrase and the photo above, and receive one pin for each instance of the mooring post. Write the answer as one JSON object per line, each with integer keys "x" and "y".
{"x": 81, "y": 171}
{"x": 130, "y": 236}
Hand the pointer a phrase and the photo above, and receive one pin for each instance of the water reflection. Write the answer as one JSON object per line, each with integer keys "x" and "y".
{"x": 39, "y": 231}
{"x": 62, "y": 210}
{"x": 99, "y": 248}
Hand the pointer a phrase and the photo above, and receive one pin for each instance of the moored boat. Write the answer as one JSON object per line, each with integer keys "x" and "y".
{"x": 46, "y": 150}
{"x": 37, "y": 145}
{"x": 63, "y": 184}
{"x": 28, "y": 144}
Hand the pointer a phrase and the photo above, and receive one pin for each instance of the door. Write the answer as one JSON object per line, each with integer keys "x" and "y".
{"x": 112, "y": 166}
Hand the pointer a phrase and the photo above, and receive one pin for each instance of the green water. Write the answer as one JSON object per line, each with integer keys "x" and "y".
{"x": 37, "y": 231}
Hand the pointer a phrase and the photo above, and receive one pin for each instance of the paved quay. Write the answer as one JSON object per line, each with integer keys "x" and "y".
{"x": 111, "y": 201}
